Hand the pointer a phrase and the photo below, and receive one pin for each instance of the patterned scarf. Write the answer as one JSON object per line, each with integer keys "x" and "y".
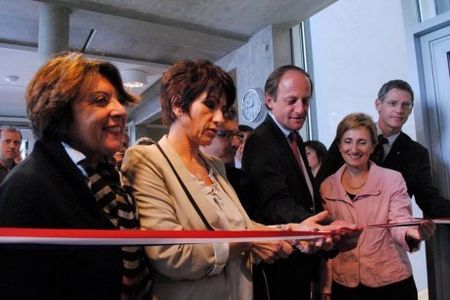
{"x": 121, "y": 210}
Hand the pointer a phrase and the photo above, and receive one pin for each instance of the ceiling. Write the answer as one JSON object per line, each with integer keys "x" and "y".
{"x": 147, "y": 35}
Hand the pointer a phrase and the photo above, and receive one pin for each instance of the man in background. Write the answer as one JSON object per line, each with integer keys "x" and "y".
{"x": 10, "y": 140}
{"x": 119, "y": 155}
{"x": 246, "y": 131}
{"x": 224, "y": 146}
{"x": 227, "y": 140}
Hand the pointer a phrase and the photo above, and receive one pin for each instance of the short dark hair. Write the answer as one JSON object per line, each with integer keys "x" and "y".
{"x": 9, "y": 128}
{"x": 395, "y": 84}
{"x": 272, "y": 82}
{"x": 186, "y": 80}
{"x": 230, "y": 113}
{"x": 144, "y": 141}
{"x": 320, "y": 148}
{"x": 55, "y": 87}
{"x": 357, "y": 120}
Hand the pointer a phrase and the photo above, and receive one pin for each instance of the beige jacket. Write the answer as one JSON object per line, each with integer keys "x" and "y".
{"x": 183, "y": 271}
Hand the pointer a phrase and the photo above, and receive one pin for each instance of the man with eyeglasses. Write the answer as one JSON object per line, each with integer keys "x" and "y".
{"x": 228, "y": 139}
{"x": 224, "y": 146}
{"x": 10, "y": 140}
{"x": 397, "y": 151}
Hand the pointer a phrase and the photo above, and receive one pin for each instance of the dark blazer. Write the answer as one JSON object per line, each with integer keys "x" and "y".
{"x": 412, "y": 160}
{"x": 47, "y": 190}
{"x": 281, "y": 193}
{"x": 241, "y": 184}
{"x": 281, "y": 196}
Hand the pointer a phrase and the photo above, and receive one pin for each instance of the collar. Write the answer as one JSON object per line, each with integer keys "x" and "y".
{"x": 76, "y": 156}
{"x": 284, "y": 130}
{"x": 391, "y": 139}
{"x": 2, "y": 164}
{"x": 371, "y": 188}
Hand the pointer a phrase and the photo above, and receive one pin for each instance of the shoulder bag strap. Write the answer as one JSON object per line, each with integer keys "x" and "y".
{"x": 188, "y": 194}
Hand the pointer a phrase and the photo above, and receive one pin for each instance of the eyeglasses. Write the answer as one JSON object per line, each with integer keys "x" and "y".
{"x": 230, "y": 134}
{"x": 7, "y": 142}
{"x": 395, "y": 104}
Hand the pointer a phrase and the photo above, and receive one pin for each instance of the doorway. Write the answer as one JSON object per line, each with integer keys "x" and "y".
{"x": 435, "y": 59}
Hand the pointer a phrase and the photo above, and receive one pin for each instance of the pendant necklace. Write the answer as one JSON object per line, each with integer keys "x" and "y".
{"x": 358, "y": 186}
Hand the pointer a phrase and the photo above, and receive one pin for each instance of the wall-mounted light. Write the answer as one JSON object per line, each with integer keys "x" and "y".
{"x": 134, "y": 78}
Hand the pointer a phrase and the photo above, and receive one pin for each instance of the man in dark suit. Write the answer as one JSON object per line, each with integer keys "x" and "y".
{"x": 275, "y": 160}
{"x": 398, "y": 152}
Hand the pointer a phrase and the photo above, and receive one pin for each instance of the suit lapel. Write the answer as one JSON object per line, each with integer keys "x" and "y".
{"x": 282, "y": 141}
{"x": 395, "y": 154}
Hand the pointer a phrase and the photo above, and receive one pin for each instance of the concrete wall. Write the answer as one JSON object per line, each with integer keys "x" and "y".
{"x": 357, "y": 45}
{"x": 253, "y": 62}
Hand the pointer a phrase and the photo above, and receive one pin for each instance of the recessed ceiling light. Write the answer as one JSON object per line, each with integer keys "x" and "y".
{"x": 133, "y": 84}
{"x": 11, "y": 78}
{"x": 134, "y": 78}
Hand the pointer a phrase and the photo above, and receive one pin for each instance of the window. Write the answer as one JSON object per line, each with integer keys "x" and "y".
{"x": 428, "y": 9}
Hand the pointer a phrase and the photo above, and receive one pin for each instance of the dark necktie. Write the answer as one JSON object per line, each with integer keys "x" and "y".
{"x": 120, "y": 208}
{"x": 378, "y": 152}
{"x": 294, "y": 141}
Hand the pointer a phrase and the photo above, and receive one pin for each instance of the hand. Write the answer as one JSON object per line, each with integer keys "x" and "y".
{"x": 313, "y": 224}
{"x": 325, "y": 296}
{"x": 239, "y": 152}
{"x": 424, "y": 231}
{"x": 345, "y": 236}
{"x": 268, "y": 252}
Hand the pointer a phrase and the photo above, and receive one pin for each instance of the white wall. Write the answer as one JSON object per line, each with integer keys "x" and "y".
{"x": 357, "y": 45}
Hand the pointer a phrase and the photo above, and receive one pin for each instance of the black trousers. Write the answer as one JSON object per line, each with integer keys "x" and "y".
{"x": 402, "y": 290}
{"x": 285, "y": 281}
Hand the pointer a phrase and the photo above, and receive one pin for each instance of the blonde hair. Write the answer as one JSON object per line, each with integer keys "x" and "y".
{"x": 356, "y": 120}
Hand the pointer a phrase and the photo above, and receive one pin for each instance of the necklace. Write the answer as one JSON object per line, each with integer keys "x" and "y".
{"x": 357, "y": 186}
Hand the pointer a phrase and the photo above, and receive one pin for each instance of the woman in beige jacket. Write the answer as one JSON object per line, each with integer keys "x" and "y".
{"x": 194, "y": 96}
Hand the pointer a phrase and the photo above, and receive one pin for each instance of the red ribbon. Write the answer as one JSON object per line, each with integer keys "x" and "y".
{"x": 144, "y": 237}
